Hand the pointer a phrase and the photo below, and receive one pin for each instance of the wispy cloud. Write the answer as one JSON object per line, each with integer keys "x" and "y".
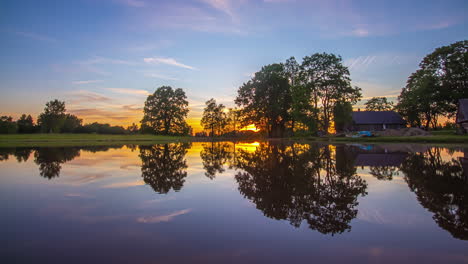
{"x": 168, "y": 61}
{"x": 102, "y": 60}
{"x": 162, "y": 218}
{"x": 87, "y": 82}
{"x": 35, "y": 36}
{"x": 99, "y": 114}
{"x": 224, "y": 6}
{"x": 87, "y": 96}
{"x": 128, "y": 91}
{"x": 160, "y": 76}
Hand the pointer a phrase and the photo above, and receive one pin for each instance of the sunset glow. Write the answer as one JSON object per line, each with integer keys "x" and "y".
{"x": 105, "y": 72}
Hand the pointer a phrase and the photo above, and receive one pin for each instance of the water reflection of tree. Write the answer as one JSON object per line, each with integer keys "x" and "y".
{"x": 50, "y": 160}
{"x": 214, "y": 155}
{"x": 301, "y": 182}
{"x": 385, "y": 173}
{"x": 164, "y": 166}
{"x": 21, "y": 154}
{"x": 440, "y": 187}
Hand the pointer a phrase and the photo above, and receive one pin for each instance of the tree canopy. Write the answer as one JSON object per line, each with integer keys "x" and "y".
{"x": 165, "y": 112}
{"x": 53, "y": 117}
{"x": 435, "y": 88}
{"x": 379, "y": 104}
{"x": 214, "y": 117}
{"x": 266, "y": 100}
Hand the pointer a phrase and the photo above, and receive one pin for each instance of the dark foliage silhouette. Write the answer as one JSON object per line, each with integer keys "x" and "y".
{"x": 164, "y": 166}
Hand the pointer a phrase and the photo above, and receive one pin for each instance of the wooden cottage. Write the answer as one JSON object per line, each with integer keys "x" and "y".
{"x": 376, "y": 121}
{"x": 462, "y": 115}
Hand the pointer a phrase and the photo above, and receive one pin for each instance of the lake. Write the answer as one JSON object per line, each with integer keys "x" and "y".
{"x": 224, "y": 202}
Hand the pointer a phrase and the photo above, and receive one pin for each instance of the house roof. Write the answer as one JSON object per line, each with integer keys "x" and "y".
{"x": 377, "y": 117}
{"x": 462, "y": 113}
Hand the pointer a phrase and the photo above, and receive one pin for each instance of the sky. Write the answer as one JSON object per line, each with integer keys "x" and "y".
{"x": 103, "y": 57}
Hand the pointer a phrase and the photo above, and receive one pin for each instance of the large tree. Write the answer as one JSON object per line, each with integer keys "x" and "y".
{"x": 435, "y": 88}
{"x": 165, "y": 112}
{"x": 53, "y": 117}
{"x": 266, "y": 100}
{"x": 7, "y": 125}
{"x": 301, "y": 111}
{"x": 379, "y": 104}
{"x": 214, "y": 117}
{"x": 328, "y": 82}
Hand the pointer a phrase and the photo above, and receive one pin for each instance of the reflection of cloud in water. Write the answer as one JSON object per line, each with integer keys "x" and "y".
{"x": 162, "y": 218}
{"x": 124, "y": 184}
{"x": 380, "y": 217}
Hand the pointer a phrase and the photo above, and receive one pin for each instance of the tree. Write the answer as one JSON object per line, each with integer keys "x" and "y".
{"x": 71, "y": 124}
{"x": 327, "y": 81}
{"x": 379, "y": 104}
{"x": 53, "y": 117}
{"x": 435, "y": 88}
{"x": 342, "y": 115}
{"x": 165, "y": 112}
{"x": 7, "y": 125}
{"x": 266, "y": 100}
{"x": 25, "y": 124}
{"x": 214, "y": 117}
{"x": 301, "y": 109}
{"x": 233, "y": 117}
{"x": 133, "y": 129}
{"x": 421, "y": 101}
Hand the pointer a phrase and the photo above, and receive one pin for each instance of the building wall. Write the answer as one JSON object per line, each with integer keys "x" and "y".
{"x": 375, "y": 127}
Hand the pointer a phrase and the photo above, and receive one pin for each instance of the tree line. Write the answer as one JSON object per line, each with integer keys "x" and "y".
{"x": 55, "y": 119}
{"x": 284, "y": 99}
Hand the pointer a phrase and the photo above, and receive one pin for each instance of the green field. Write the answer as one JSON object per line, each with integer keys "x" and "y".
{"x": 57, "y": 140}
{"x": 38, "y": 140}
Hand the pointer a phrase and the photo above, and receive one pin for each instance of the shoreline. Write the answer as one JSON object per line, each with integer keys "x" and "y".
{"x": 59, "y": 140}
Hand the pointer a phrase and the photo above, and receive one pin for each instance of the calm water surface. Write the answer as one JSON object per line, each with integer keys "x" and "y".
{"x": 234, "y": 203}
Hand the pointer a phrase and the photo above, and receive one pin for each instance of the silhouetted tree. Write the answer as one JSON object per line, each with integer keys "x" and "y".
{"x": 214, "y": 118}
{"x": 53, "y": 117}
{"x": 133, "y": 129}
{"x": 71, "y": 124}
{"x": 328, "y": 82}
{"x": 379, "y": 104}
{"x": 165, "y": 112}
{"x": 7, "y": 125}
{"x": 164, "y": 166}
{"x": 435, "y": 88}
{"x": 25, "y": 124}
{"x": 266, "y": 100}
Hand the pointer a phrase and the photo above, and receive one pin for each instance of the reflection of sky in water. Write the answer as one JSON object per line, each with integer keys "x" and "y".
{"x": 100, "y": 209}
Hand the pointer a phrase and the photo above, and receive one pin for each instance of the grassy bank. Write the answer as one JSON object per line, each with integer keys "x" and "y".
{"x": 56, "y": 140}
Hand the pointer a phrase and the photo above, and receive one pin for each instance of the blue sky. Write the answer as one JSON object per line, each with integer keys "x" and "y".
{"x": 104, "y": 56}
